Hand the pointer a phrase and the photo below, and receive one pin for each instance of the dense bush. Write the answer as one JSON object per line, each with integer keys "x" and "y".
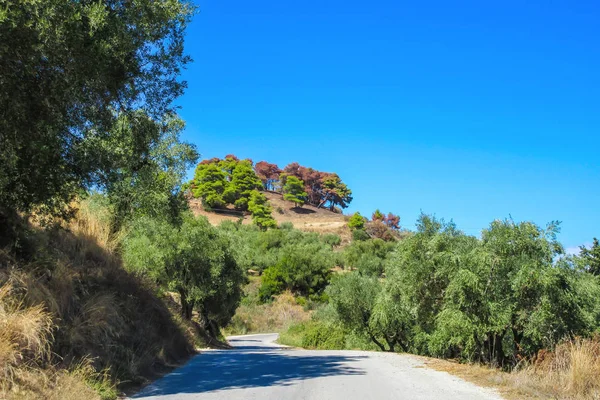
{"x": 304, "y": 269}
{"x": 323, "y": 336}
{"x": 360, "y": 234}
{"x": 367, "y": 256}
{"x": 259, "y": 250}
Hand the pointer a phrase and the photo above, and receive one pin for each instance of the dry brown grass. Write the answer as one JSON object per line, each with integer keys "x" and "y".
{"x": 571, "y": 372}
{"x": 276, "y": 316}
{"x": 71, "y": 310}
{"x": 307, "y": 218}
{"x": 24, "y": 334}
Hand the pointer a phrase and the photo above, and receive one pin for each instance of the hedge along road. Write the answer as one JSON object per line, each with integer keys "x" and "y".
{"x": 257, "y": 368}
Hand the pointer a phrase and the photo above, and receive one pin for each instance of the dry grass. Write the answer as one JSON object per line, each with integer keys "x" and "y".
{"x": 307, "y": 218}
{"x": 571, "y": 372}
{"x": 276, "y": 316}
{"x": 71, "y": 310}
{"x": 24, "y": 334}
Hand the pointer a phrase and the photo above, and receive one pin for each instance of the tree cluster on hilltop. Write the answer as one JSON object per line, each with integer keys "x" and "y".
{"x": 323, "y": 189}
{"x": 234, "y": 182}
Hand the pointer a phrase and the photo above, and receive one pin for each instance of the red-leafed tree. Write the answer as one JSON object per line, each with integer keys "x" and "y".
{"x": 392, "y": 221}
{"x": 322, "y": 189}
{"x": 214, "y": 160}
{"x": 312, "y": 179}
{"x": 268, "y": 174}
{"x": 377, "y": 216}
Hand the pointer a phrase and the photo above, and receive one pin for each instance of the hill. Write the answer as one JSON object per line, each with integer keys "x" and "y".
{"x": 308, "y": 218}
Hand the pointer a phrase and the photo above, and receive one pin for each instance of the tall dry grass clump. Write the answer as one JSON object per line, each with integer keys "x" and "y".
{"x": 276, "y": 316}
{"x": 25, "y": 334}
{"x": 74, "y": 323}
{"x": 571, "y": 371}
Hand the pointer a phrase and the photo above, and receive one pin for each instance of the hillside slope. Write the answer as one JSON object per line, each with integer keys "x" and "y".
{"x": 307, "y": 218}
{"x": 74, "y": 324}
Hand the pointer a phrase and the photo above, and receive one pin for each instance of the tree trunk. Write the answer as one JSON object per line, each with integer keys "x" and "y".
{"x": 377, "y": 342}
{"x": 186, "y": 306}
{"x": 391, "y": 344}
{"x": 498, "y": 355}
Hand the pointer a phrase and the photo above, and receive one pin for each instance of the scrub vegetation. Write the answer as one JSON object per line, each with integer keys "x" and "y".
{"x": 509, "y": 300}
{"x": 108, "y": 278}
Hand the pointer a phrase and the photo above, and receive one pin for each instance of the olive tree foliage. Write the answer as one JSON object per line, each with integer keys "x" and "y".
{"x": 365, "y": 309}
{"x": 493, "y": 300}
{"x": 72, "y": 73}
{"x": 367, "y": 256}
{"x": 353, "y": 298}
{"x": 302, "y": 268}
{"x": 192, "y": 259}
{"x": 149, "y": 162}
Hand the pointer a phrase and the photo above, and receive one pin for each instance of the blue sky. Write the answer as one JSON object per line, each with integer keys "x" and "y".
{"x": 469, "y": 110}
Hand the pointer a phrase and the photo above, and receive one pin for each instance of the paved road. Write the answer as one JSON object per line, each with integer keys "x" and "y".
{"x": 259, "y": 369}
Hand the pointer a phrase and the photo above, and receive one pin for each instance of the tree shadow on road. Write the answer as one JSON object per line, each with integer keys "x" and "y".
{"x": 249, "y": 367}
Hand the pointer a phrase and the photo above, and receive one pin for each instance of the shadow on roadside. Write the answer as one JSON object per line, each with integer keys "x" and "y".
{"x": 247, "y": 367}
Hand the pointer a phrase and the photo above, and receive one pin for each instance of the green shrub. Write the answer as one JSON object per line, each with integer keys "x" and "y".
{"x": 356, "y": 221}
{"x": 273, "y": 283}
{"x": 367, "y": 256}
{"x": 360, "y": 234}
{"x": 332, "y": 239}
{"x": 323, "y": 336}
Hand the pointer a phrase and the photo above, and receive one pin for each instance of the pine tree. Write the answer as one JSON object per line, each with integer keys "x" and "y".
{"x": 261, "y": 210}
{"x": 591, "y": 257}
{"x": 294, "y": 191}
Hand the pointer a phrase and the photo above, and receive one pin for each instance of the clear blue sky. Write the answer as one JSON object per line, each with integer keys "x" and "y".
{"x": 469, "y": 110}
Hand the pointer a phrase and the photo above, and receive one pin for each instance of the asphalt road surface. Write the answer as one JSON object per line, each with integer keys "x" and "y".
{"x": 257, "y": 368}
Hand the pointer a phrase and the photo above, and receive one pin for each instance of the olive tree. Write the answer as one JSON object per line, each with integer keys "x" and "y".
{"x": 69, "y": 72}
{"x": 192, "y": 259}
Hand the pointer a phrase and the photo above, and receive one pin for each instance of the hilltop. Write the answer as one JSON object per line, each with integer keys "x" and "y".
{"x": 307, "y": 218}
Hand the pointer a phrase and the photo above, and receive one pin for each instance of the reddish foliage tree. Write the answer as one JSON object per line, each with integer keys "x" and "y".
{"x": 392, "y": 221}
{"x": 322, "y": 188}
{"x": 335, "y": 192}
{"x": 377, "y": 229}
{"x": 214, "y": 160}
{"x": 268, "y": 174}
{"x": 232, "y": 157}
{"x": 377, "y": 216}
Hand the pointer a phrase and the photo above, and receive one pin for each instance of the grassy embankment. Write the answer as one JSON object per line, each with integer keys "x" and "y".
{"x": 74, "y": 324}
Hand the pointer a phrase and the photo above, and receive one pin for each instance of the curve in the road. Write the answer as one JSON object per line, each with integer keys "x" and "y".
{"x": 257, "y": 368}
